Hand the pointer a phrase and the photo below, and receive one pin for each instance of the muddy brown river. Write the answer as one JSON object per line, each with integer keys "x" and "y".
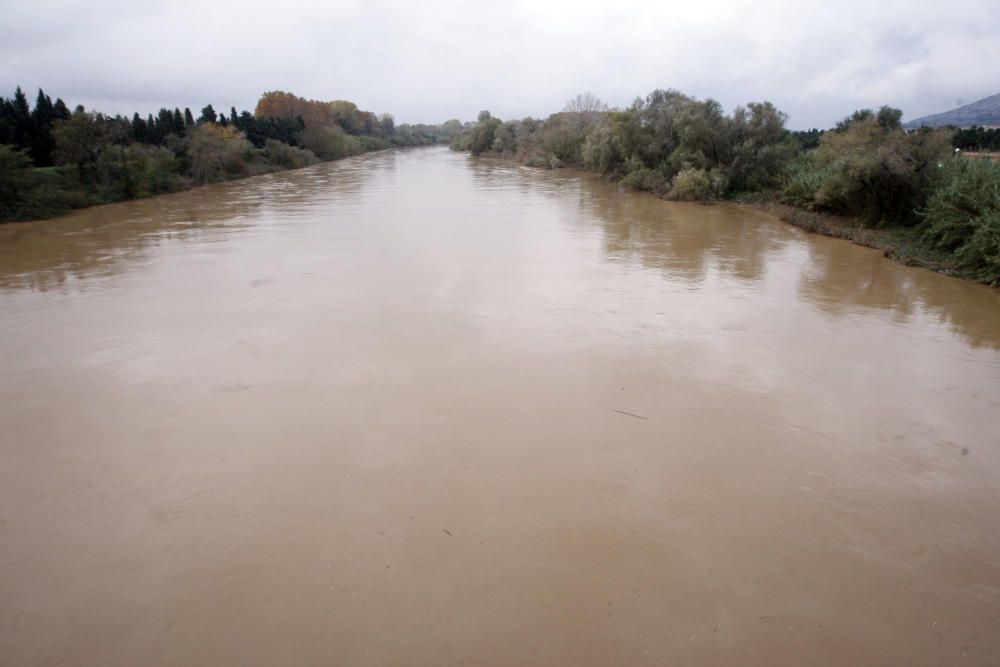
{"x": 413, "y": 408}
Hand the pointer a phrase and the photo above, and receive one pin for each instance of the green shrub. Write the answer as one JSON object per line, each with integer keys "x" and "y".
{"x": 280, "y": 154}
{"x": 692, "y": 184}
{"x": 874, "y": 170}
{"x": 803, "y": 182}
{"x": 650, "y": 180}
{"x": 483, "y": 135}
{"x": 330, "y": 143}
{"x": 963, "y": 216}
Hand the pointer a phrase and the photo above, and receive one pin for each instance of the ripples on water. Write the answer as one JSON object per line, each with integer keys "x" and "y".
{"x": 413, "y": 406}
{"x": 684, "y": 244}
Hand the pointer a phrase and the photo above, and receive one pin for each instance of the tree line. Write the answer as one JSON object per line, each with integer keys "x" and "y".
{"x": 53, "y": 159}
{"x": 867, "y": 167}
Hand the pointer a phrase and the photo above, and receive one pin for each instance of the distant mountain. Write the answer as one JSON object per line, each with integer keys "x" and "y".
{"x": 984, "y": 112}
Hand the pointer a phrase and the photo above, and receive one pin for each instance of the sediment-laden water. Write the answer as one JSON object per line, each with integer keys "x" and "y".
{"x": 413, "y": 408}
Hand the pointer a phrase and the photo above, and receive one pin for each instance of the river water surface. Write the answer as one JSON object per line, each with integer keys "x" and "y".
{"x": 412, "y": 408}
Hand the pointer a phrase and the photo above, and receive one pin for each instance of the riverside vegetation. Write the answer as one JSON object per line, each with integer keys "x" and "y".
{"x": 911, "y": 193}
{"x": 53, "y": 160}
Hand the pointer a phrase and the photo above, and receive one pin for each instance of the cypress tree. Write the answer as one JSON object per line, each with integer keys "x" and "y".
{"x": 6, "y": 121}
{"x": 165, "y": 121}
{"x": 188, "y": 118}
{"x": 178, "y": 123}
{"x": 21, "y": 117}
{"x": 139, "y": 129}
{"x": 44, "y": 112}
{"x": 42, "y": 143}
{"x": 60, "y": 109}
{"x": 207, "y": 115}
{"x": 153, "y": 131}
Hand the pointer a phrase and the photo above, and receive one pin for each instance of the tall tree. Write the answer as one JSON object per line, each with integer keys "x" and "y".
{"x": 207, "y": 115}
{"x": 41, "y": 130}
{"x": 139, "y": 132}
{"x": 20, "y": 115}
{"x": 153, "y": 131}
{"x": 60, "y": 109}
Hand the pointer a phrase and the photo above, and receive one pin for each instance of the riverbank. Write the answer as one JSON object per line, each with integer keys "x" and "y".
{"x": 900, "y": 244}
{"x": 57, "y": 190}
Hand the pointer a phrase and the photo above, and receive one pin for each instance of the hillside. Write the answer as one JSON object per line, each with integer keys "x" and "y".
{"x": 984, "y": 112}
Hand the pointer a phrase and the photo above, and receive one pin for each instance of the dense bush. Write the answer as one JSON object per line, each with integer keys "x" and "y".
{"x": 870, "y": 168}
{"x": 284, "y": 156}
{"x": 694, "y": 184}
{"x": 962, "y": 216}
{"x": 803, "y": 181}
{"x": 329, "y": 143}
{"x": 100, "y": 158}
{"x": 482, "y": 136}
{"x": 648, "y": 145}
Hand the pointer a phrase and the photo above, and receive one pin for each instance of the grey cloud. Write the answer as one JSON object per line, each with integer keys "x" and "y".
{"x": 427, "y": 62}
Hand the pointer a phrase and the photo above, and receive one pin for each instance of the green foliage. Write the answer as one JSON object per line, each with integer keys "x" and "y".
{"x": 329, "y": 143}
{"x": 962, "y": 216}
{"x": 79, "y": 140}
{"x": 27, "y": 193}
{"x": 217, "y": 152}
{"x": 207, "y": 115}
{"x": 104, "y": 159}
{"x": 284, "y": 156}
{"x": 647, "y": 145}
{"x": 694, "y": 184}
{"x": 505, "y": 139}
{"x": 807, "y": 139}
{"x": 650, "y": 180}
{"x": 483, "y": 134}
{"x": 870, "y": 168}
{"x": 977, "y": 138}
{"x": 803, "y": 182}
{"x": 601, "y": 150}
{"x": 369, "y": 143}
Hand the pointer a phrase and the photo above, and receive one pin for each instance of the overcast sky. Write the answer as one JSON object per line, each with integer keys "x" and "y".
{"x": 430, "y": 61}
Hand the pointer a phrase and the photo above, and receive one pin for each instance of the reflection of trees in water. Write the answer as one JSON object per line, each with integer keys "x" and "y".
{"x": 103, "y": 240}
{"x": 489, "y": 173}
{"x": 100, "y": 241}
{"x": 843, "y": 278}
{"x": 684, "y": 241}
